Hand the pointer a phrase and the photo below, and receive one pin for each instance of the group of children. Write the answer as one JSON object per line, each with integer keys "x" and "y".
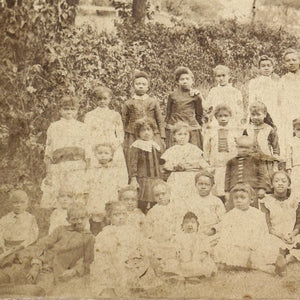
{"x": 207, "y": 187}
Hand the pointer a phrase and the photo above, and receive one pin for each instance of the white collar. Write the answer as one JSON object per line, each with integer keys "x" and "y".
{"x": 145, "y": 145}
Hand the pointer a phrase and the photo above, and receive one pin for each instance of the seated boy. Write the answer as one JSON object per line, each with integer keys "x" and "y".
{"x": 67, "y": 252}
{"x": 18, "y": 229}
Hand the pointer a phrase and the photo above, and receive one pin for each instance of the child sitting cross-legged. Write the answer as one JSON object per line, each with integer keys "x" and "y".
{"x": 120, "y": 255}
{"x": 193, "y": 259}
{"x": 244, "y": 239}
{"x": 67, "y": 252}
{"x": 129, "y": 196}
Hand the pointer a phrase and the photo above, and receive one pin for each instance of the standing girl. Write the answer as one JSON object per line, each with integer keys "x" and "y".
{"x": 144, "y": 155}
{"x": 139, "y": 106}
{"x": 104, "y": 124}
{"x": 184, "y": 105}
{"x": 183, "y": 160}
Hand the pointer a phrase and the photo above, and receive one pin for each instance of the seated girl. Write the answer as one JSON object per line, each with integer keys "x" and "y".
{"x": 281, "y": 210}
{"x": 120, "y": 259}
{"x": 244, "y": 239}
{"x": 183, "y": 160}
{"x": 193, "y": 258}
{"x": 129, "y": 196}
{"x": 104, "y": 180}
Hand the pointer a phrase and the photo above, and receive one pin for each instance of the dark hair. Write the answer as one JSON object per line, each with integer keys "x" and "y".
{"x": 125, "y": 189}
{"x": 110, "y": 206}
{"x": 158, "y": 182}
{"x": 179, "y": 125}
{"x": 141, "y": 123}
{"x": 104, "y": 144}
{"x": 242, "y": 187}
{"x": 258, "y": 106}
{"x": 281, "y": 172}
{"x": 264, "y": 58}
{"x": 220, "y": 107}
{"x": 289, "y": 51}
{"x": 69, "y": 101}
{"x": 183, "y": 70}
{"x": 74, "y": 208}
{"x": 205, "y": 173}
{"x": 190, "y": 215}
{"x": 141, "y": 74}
{"x": 296, "y": 122}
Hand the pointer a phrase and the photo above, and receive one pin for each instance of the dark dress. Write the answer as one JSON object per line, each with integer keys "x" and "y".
{"x": 185, "y": 108}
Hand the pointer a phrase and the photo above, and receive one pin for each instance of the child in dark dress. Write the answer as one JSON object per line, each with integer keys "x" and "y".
{"x": 144, "y": 155}
{"x": 184, "y": 104}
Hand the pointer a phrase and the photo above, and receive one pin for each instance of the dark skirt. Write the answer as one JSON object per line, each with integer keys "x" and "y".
{"x": 145, "y": 197}
{"x": 195, "y": 138}
{"x": 130, "y": 138}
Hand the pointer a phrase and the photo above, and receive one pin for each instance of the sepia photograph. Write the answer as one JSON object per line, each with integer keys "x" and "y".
{"x": 149, "y": 149}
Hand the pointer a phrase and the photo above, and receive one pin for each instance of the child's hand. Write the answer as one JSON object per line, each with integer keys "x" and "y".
{"x": 210, "y": 231}
{"x": 194, "y": 92}
{"x": 33, "y": 274}
{"x": 289, "y": 239}
{"x": 67, "y": 275}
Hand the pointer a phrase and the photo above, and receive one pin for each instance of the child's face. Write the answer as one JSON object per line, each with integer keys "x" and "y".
{"x": 68, "y": 113}
{"x": 222, "y": 77}
{"x": 146, "y": 133}
{"x": 241, "y": 200}
{"x": 266, "y": 67}
{"x": 297, "y": 130}
{"x": 257, "y": 117}
{"x": 292, "y": 62}
{"x": 280, "y": 183}
{"x": 204, "y": 186}
{"x": 78, "y": 221}
{"x": 185, "y": 81}
{"x": 141, "y": 86}
{"x": 190, "y": 225}
{"x": 103, "y": 99}
{"x": 223, "y": 117}
{"x": 65, "y": 199}
{"x": 161, "y": 195}
{"x": 182, "y": 136}
{"x": 118, "y": 216}
{"x": 19, "y": 205}
{"x": 81, "y": 198}
{"x": 130, "y": 198}
{"x": 103, "y": 154}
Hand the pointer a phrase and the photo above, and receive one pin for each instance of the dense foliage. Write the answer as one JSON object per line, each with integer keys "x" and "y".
{"x": 43, "y": 56}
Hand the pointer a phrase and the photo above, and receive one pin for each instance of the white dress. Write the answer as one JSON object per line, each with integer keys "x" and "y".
{"x": 182, "y": 184}
{"x": 104, "y": 183}
{"x": 136, "y": 218}
{"x": 105, "y": 125}
{"x": 192, "y": 256}
{"x": 209, "y": 210}
{"x": 120, "y": 258}
{"x": 217, "y": 159}
{"x": 289, "y": 91}
{"x": 244, "y": 241}
{"x": 68, "y": 148}
{"x": 229, "y": 96}
{"x": 58, "y": 218}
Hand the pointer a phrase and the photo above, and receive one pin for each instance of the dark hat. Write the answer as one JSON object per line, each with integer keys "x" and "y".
{"x": 296, "y": 122}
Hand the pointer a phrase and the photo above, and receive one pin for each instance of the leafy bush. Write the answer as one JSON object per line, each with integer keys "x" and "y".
{"x": 43, "y": 56}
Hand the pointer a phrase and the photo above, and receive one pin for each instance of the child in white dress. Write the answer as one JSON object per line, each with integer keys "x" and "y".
{"x": 129, "y": 196}
{"x": 293, "y": 157}
{"x": 67, "y": 152}
{"x": 59, "y": 215}
{"x": 120, "y": 255}
{"x": 220, "y": 146}
{"x": 244, "y": 239}
{"x": 281, "y": 210}
{"x": 183, "y": 160}
{"x": 104, "y": 124}
{"x": 105, "y": 179}
{"x": 225, "y": 93}
{"x": 208, "y": 208}
{"x": 193, "y": 258}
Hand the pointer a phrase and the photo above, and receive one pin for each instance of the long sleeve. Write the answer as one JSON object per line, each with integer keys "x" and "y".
{"x": 267, "y": 215}
{"x": 125, "y": 115}
{"x": 119, "y": 128}
{"x": 199, "y": 110}
{"x": 207, "y": 146}
{"x": 273, "y": 142}
{"x": 228, "y": 176}
{"x": 169, "y": 109}
{"x": 252, "y": 91}
{"x": 33, "y": 233}
{"x": 133, "y": 162}
{"x": 297, "y": 223}
{"x": 159, "y": 120}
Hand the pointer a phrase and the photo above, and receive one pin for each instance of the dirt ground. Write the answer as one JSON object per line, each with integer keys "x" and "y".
{"x": 230, "y": 285}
